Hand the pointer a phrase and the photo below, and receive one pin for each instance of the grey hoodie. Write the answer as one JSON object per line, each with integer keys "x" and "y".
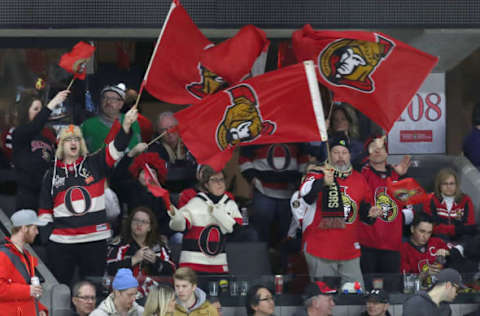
{"x": 107, "y": 308}
{"x": 421, "y": 304}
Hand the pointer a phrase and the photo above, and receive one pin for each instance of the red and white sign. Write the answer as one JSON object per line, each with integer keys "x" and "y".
{"x": 421, "y": 128}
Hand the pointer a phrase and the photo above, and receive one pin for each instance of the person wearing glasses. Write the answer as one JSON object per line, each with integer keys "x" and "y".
{"x": 160, "y": 301}
{"x": 259, "y": 301}
{"x": 96, "y": 129}
{"x": 435, "y": 300}
{"x": 84, "y": 298}
{"x": 205, "y": 220}
{"x": 122, "y": 299}
{"x": 140, "y": 250}
{"x": 452, "y": 210}
{"x": 72, "y": 201}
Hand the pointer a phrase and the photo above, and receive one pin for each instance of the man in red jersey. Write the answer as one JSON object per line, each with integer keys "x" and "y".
{"x": 340, "y": 198}
{"x": 381, "y": 242}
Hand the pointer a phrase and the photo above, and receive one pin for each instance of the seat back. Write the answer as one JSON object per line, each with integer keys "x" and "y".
{"x": 248, "y": 258}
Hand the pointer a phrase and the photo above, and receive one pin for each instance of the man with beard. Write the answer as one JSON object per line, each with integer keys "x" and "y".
{"x": 17, "y": 267}
{"x": 381, "y": 242}
{"x": 340, "y": 198}
{"x": 434, "y": 302}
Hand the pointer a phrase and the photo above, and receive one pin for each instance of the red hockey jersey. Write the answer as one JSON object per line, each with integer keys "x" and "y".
{"x": 338, "y": 244}
{"x": 386, "y": 233}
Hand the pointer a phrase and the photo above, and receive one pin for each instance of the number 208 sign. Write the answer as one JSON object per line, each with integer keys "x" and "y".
{"x": 421, "y": 127}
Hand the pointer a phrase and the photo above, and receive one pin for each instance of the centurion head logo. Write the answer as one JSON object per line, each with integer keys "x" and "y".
{"x": 242, "y": 121}
{"x": 350, "y": 209}
{"x": 209, "y": 83}
{"x": 351, "y": 63}
{"x": 386, "y": 204}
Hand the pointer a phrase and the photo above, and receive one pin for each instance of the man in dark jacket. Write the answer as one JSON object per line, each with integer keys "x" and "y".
{"x": 434, "y": 302}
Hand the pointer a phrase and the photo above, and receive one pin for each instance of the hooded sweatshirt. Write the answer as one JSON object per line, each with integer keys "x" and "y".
{"x": 107, "y": 308}
{"x": 421, "y": 304}
{"x": 201, "y": 307}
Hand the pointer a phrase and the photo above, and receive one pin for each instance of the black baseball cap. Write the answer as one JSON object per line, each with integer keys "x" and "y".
{"x": 377, "y": 295}
{"x": 449, "y": 275}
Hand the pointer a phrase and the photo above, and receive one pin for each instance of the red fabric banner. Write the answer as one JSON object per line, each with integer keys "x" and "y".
{"x": 375, "y": 73}
{"x": 175, "y": 60}
{"x": 75, "y": 61}
{"x": 407, "y": 190}
{"x": 232, "y": 59}
{"x": 275, "y": 107}
{"x": 185, "y": 66}
{"x": 154, "y": 186}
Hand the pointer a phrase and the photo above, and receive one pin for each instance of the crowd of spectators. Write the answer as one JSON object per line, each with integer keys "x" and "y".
{"x": 92, "y": 183}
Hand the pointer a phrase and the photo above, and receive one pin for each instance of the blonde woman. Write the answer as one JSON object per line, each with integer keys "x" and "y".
{"x": 160, "y": 301}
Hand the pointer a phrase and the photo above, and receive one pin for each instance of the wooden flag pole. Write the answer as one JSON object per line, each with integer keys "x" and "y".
{"x": 71, "y": 82}
{"x": 156, "y": 138}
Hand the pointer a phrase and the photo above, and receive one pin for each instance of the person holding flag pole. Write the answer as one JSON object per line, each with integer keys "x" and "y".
{"x": 72, "y": 201}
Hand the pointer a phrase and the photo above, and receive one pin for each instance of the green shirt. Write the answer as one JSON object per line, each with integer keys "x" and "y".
{"x": 95, "y": 131}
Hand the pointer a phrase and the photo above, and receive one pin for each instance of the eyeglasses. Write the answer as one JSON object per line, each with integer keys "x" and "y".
{"x": 114, "y": 99}
{"x": 448, "y": 183}
{"x": 87, "y": 298}
{"x": 269, "y": 298}
{"x": 217, "y": 180}
{"x": 140, "y": 221}
{"x": 71, "y": 139}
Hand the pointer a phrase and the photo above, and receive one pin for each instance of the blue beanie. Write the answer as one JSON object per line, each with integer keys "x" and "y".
{"x": 124, "y": 279}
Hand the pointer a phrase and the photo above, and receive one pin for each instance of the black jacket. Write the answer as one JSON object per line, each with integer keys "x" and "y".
{"x": 422, "y": 305}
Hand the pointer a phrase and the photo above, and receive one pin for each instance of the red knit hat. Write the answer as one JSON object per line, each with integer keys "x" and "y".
{"x": 154, "y": 161}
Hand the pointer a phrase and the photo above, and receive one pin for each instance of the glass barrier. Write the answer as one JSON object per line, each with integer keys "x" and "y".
{"x": 231, "y": 290}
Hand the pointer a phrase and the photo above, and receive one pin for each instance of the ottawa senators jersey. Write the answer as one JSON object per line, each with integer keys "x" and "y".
{"x": 386, "y": 233}
{"x": 276, "y": 168}
{"x": 205, "y": 225}
{"x": 416, "y": 259}
{"x": 73, "y": 195}
{"x": 338, "y": 244}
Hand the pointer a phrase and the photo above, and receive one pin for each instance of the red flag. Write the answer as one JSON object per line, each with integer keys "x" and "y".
{"x": 75, "y": 61}
{"x": 373, "y": 72}
{"x": 154, "y": 186}
{"x": 407, "y": 191}
{"x": 175, "y": 60}
{"x": 277, "y": 107}
{"x": 185, "y": 66}
{"x": 233, "y": 59}
{"x": 113, "y": 132}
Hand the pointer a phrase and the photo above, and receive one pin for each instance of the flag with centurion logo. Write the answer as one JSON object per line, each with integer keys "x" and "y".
{"x": 185, "y": 66}
{"x": 407, "y": 190}
{"x": 75, "y": 61}
{"x": 375, "y": 73}
{"x": 281, "y": 106}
